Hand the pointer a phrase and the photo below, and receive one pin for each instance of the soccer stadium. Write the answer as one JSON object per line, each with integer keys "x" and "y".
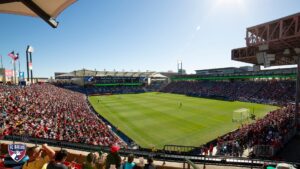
{"x": 242, "y": 116}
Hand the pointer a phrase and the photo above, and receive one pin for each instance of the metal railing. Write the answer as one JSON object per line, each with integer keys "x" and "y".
{"x": 159, "y": 155}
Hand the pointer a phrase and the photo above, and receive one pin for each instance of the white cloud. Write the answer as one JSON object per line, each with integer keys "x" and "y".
{"x": 198, "y": 28}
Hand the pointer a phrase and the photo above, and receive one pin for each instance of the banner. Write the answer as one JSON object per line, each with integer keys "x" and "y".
{"x": 9, "y": 73}
{"x": 88, "y": 79}
{"x": 30, "y": 65}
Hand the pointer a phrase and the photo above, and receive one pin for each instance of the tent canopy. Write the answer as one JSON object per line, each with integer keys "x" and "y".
{"x": 241, "y": 110}
{"x": 157, "y": 75}
{"x": 48, "y": 10}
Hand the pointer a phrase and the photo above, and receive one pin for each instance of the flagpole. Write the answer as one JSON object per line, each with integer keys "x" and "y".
{"x": 19, "y": 66}
{"x": 15, "y": 73}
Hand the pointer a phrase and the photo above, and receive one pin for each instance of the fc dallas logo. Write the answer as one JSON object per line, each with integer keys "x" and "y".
{"x": 17, "y": 151}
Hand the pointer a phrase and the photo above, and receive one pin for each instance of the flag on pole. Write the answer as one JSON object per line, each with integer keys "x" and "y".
{"x": 13, "y": 56}
{"x": 30, "y": 65}
{"x": 17, "y": 56}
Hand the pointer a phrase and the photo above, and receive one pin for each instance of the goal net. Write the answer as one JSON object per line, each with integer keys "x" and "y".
{"x": 240, "y": 115}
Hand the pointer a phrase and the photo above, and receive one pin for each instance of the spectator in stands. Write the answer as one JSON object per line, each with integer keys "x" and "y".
{"x": 100, "y": 159}
{"x": 211, "y": 148}
{"x": 58, "y": 162}
{"x": 113, "y": 158}
{"x": 46, "y": 111}
{"x": 205, "y": 150}
{"x": 35, "y": 160}
{"x": 90, "y": 161}
{"x": 270, "y": 130}
{"x": 150, "y": 164}
{"x": 129, "y": 164}
{"x": 270, "y": 92}
{"x": 140, "y": 164}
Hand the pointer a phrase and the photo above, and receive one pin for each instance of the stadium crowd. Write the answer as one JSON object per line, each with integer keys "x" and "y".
{"x": 114, "y": 90}
{"x": 91, "y": 90}
{"x": 46, "y": 111}
{"x": 271, "y": 130}
{"x": 270, "y": 92}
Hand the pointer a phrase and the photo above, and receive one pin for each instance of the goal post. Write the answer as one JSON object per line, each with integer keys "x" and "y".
{"x": 240, "y": 115}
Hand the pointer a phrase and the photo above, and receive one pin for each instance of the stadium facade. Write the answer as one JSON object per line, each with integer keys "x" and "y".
{"x": 86, "y": 77}
{"x": 225, "y": 70}
{"x": 236, "y": 74}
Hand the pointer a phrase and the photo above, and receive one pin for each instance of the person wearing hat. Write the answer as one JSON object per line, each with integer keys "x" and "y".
{"x": 113, "y": 158}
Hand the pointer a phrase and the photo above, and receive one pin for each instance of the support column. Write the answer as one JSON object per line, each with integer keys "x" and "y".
{"x": 15, "y": 72}
{"x": 297, "y": 94}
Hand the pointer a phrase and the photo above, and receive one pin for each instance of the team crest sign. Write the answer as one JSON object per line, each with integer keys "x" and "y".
{"x": 17, "y": 151}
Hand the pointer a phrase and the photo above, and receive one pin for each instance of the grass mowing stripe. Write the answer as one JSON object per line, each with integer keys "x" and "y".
{"x": 155, "y": 119}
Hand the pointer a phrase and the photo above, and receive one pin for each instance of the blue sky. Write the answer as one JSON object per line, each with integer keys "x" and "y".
{"x": 138, "y": 34}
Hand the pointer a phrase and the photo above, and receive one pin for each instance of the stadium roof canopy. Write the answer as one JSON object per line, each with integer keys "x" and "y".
{"x": 84, "y": 73}
{"x": 271, "y": 44}
{"x": 48, "y": 10}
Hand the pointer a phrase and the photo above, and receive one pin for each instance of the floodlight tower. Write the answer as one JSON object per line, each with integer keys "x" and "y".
{"x": 179, "y": 67}
{"x": 29, "y": 52}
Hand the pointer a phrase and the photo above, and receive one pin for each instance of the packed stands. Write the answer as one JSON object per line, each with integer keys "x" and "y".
{"x": 65, "y": 115}
{"x": 271, "y": 130}
{"x": 270, "y": 92}
{"x": 93, "y": 90}
{"x": 114, "y": 90}
{"x": 46, "y": 111}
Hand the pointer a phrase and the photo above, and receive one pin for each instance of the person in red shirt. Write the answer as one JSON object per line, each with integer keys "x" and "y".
{"x": 211, "y": 148}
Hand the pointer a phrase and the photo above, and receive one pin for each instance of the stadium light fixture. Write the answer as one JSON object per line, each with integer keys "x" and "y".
{"x": 53, "y": 22}
{"x": 30, "y": 49}
{"x": 29, "y": 52}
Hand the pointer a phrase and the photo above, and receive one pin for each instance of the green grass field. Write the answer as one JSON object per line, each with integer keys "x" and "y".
{"x": 156, "y": 119}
